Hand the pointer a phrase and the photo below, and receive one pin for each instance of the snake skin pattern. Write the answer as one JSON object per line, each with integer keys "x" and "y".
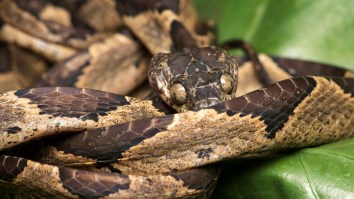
{"x": 71, "y": 183}
{"x": 158, "y": 155}
{"x": 280, "y": 116}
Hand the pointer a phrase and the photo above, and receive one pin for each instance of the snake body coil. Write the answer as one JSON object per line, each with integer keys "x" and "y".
{"x": 159, "y": 154}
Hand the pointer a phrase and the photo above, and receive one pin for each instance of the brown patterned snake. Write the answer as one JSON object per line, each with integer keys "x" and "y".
{"x": 158, "y": 155}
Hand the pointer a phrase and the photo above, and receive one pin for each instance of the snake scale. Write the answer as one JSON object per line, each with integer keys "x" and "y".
{"x": 158, "y": 155}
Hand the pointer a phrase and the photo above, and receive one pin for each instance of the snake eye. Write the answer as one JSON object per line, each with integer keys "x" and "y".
{"x": 226, "y": 83}
{"x": 178, "y": 94}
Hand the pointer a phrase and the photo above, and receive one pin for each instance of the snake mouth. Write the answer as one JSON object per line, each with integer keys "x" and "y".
{"x": 205, "y": 103}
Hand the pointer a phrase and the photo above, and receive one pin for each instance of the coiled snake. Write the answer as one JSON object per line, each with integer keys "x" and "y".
{"x": 162, "y": 155}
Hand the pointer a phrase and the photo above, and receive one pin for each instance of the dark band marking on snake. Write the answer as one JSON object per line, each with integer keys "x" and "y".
{"x": 5, "y": 58}
{"x": 116, "y": 136}
{"x": 181, "y": 38}
{"x": 346, "y": 84}
{"x": 84, "y": 183}
{"x": 294, "y": 67}
{"x": 57, "y": 75}
{"x": 66, "y": 104}
{"x": 11, "y": 167}
{"x": 273, "y": 104}
{"x": 135, "y": 7}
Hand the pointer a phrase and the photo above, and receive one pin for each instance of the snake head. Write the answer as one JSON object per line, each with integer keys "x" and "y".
{"x": 194, "y": 78}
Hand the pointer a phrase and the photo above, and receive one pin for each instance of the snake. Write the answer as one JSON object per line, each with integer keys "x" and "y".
{"x": 162, "y": 155}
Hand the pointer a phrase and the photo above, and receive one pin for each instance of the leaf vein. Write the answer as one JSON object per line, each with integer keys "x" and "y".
{"x": 314, "y": 192}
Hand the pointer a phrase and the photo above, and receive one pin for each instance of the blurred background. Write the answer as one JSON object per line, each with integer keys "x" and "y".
{"x": 312, "y": 30}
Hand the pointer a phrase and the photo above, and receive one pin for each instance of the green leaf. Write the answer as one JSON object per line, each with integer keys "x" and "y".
{"x": 311, "y": 30}
{"x": 322, "y": 172}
